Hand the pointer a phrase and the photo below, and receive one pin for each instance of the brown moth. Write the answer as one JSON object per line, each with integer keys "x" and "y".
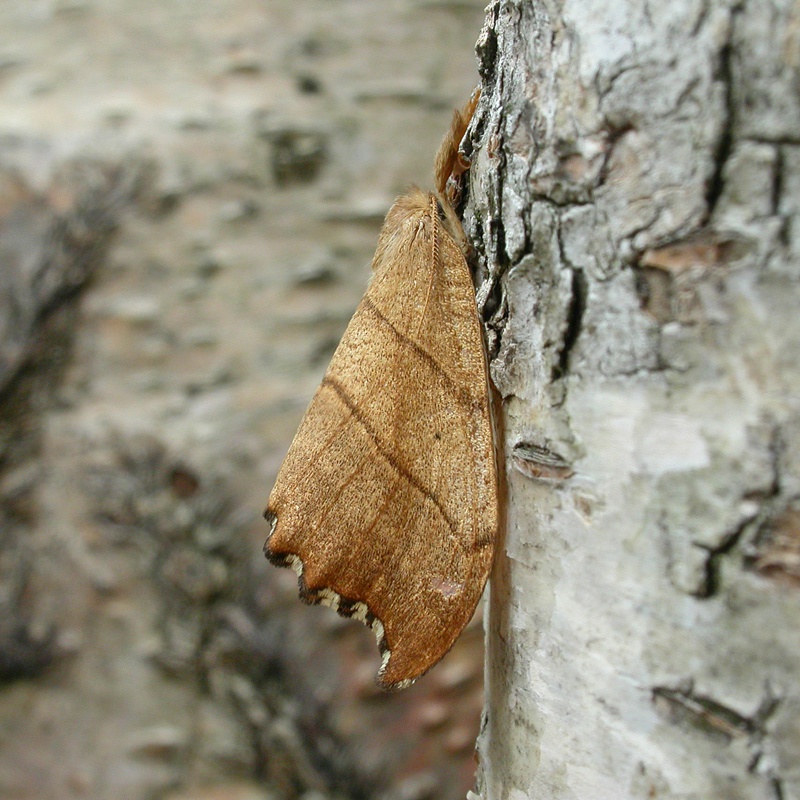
{"x": 387, "y": 503}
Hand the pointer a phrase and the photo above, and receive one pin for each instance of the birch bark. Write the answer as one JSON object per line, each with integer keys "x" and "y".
{"x": 634, "y": 200}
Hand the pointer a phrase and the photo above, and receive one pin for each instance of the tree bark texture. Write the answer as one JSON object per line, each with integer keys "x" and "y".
{"x": 634, "y": 201}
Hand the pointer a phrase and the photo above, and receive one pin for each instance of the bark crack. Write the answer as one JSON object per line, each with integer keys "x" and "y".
{"x": 574, "y": 317}
{"x": 724, "y": 146}
{"x": 684, "y": 705}
{"x": 711, "y": 583}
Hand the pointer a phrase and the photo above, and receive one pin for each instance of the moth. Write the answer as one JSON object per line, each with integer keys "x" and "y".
{"x": 386, "y": 505}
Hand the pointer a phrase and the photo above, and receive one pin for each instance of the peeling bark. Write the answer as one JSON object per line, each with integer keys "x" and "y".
{"x": 634, "y": 206}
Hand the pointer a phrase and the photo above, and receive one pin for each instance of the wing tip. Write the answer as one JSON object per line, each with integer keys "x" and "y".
{"x": 343, "y": 606}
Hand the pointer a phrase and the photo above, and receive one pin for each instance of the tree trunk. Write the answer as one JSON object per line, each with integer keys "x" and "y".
{"x": 634, "y": 201}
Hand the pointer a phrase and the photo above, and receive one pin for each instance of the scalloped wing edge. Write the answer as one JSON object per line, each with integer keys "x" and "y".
{"x": 343, "y": 606}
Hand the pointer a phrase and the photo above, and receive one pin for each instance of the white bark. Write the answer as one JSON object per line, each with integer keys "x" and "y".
{"x": 635, "y": 202}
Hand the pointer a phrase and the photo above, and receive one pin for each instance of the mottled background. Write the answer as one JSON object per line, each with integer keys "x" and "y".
{"x": 190, "y": 193}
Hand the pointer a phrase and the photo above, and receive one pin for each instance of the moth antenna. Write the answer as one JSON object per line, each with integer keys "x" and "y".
{"x": 450, "y": 163}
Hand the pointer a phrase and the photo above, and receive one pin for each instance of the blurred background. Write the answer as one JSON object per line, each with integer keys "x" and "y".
{"x": 190, "y": 195}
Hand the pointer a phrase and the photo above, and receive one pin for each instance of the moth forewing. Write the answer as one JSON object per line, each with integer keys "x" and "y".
{"x": 387, "y": 502}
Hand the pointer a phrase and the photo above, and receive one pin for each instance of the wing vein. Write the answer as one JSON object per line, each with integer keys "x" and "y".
{"x": 328, "y": 380}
